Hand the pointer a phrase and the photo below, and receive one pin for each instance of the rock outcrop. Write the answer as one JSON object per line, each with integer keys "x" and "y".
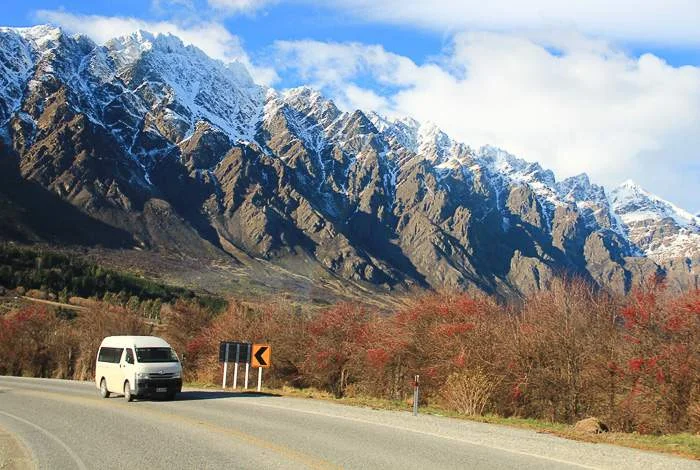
{"x": 152, "y": 144}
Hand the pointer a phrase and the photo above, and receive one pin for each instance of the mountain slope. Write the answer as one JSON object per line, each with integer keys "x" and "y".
{"x": 185, "y": 154}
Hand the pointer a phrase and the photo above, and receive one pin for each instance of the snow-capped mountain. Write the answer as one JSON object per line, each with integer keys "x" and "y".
{"x": 178, "y": 152}
{"x": 635, "y": 204}
{"x": 661, "y": 229}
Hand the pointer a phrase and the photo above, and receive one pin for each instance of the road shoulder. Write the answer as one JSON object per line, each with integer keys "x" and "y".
{"x": 14, "y": 455}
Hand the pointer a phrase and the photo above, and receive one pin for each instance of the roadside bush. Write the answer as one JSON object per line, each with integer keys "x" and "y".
{"x": 469, "y": 392}
{"x": 562, "y": 354}
{"x": 26, "y": 337}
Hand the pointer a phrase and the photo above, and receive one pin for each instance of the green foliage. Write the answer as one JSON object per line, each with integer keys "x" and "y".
{"x": 68, "y": 275}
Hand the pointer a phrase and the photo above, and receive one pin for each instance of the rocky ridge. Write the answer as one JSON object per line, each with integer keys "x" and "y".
{"x": 168, "y": 150}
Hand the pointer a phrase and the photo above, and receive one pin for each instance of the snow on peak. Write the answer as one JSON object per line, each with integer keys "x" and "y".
{"x": 516, "y": 168}
{"x": 311, "y": 107}
{"x": 631, "y": 185}
{"x": 402, "y": 131}
{"x": 40, "y": 36}
{"x": 635, "y": 204}
{"x": 579, "y": 188}
{"x": 182, "y": 75}
{"x": 308, "y": 101}
{"x": 433, "y": 143}
{"x": 126, "y": 50}
{"x": 302, "y": 92}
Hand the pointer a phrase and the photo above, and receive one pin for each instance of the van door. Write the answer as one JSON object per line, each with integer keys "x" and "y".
{"x": 114, "y": 372}
{"x": 128, "y": 369}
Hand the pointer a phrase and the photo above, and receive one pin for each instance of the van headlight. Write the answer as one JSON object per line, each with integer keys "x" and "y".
{"x": 177, "y": 375}
{"x": 141, "y": 375}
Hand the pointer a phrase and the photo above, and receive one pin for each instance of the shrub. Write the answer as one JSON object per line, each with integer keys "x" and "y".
{"x": 469, "y": 392}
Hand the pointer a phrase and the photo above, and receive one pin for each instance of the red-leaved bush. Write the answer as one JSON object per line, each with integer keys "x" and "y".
{"x": 562, "y": 354}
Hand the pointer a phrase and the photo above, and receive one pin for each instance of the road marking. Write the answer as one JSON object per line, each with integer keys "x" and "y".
{"x": 52, "y": 436}
{"x": 428, "y": 433}
{"x": 291, "y": 454}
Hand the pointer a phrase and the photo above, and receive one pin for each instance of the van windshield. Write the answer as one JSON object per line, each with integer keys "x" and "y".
{"x": 156, "y": 355}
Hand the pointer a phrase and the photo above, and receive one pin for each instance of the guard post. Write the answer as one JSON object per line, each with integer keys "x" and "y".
{"x": 416, "y": 394}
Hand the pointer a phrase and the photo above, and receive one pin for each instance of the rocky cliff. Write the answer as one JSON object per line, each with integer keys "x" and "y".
{"x": 145, "y": 142}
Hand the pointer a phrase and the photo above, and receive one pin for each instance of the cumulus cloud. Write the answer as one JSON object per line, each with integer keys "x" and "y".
{"x": 211, "y": 37}
{"x": 246, "y": 6}
{"x": 571, "y": 103}
{"x": 648, "y": 21}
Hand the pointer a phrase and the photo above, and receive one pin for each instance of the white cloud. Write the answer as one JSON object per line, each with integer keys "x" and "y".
{"x": 211, "y": 37}
{"x": 245, "y": 6}
{"x": 360, "y": 98}
{"x": 334, "y": 67}
{"x": 586, "y": 107}
{"x": 648, "y": 21}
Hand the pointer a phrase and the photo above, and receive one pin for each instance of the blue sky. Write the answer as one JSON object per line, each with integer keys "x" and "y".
{"x": 609, "y": 87}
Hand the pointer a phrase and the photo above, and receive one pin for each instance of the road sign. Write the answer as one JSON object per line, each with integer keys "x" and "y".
{"x": 243, "y": 356}
{"x": 261, "y": 356}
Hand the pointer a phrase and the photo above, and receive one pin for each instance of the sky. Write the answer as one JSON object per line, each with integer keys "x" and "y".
{"x": 606, "y": 87}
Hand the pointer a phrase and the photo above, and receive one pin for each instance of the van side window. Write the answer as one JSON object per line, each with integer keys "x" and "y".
{"x": 129, "y": 356}
{"x": 112, "y": 355}
{"x": 104, "y": 355}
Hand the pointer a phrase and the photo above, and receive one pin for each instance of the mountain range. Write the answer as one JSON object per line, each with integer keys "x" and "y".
{"x": 146, "y": 145}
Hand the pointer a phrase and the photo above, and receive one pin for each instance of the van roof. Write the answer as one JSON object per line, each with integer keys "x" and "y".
{"x": 136, "y": 341}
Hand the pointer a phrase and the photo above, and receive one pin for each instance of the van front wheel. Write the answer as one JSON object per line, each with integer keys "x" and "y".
{"x": 127, "y": 392}
{"x": 104, "y": 393}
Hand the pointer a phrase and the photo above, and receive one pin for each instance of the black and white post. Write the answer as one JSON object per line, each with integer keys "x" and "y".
{"x": 416, "y": 394}
{"x": 223, "y": 385}
{"x": 247, "y": 366}
{"x": 235, "y": 370}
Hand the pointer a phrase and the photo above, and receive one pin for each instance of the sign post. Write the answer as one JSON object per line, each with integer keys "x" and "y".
{"x": 247, "y": 366}
{"x": 259, "y": 379}
{"x": 415, "y": 395}
{"x": 235, "y": 370}
{"x": 223, "y": 385}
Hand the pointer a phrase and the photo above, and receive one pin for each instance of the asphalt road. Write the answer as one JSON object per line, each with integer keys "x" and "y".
{"x": 65, "y": 425}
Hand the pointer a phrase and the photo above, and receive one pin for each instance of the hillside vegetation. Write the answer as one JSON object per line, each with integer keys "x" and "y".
{"x": 61, "y": 276}
{"x": 560, "y": 355}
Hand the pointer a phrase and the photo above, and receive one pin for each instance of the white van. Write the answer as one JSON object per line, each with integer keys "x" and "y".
{"x": 137, "y": 366}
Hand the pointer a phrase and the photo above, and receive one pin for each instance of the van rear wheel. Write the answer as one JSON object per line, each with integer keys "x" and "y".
{"x": 127, "y": 392}
{"x": 104, "y": 393}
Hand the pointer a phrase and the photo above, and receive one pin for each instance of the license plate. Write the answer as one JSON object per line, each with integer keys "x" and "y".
{"x": 161, "y": 389}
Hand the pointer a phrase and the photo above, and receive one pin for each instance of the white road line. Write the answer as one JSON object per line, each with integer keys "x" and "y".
{"x": 427, "y": 433}
{"x": 73, "y": 455}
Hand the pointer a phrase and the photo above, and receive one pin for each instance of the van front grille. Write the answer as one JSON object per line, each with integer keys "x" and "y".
{"x": 157, "y": 375}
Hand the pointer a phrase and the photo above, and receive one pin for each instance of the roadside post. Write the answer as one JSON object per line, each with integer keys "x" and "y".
{"x": 415, "y": 395}
{"x": 247, "y": 366}
{"x": 235, "y": 370}
{"x": 223, "y": 385}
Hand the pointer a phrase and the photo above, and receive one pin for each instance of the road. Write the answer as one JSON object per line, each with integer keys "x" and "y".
{"x": 65, "y": 425}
